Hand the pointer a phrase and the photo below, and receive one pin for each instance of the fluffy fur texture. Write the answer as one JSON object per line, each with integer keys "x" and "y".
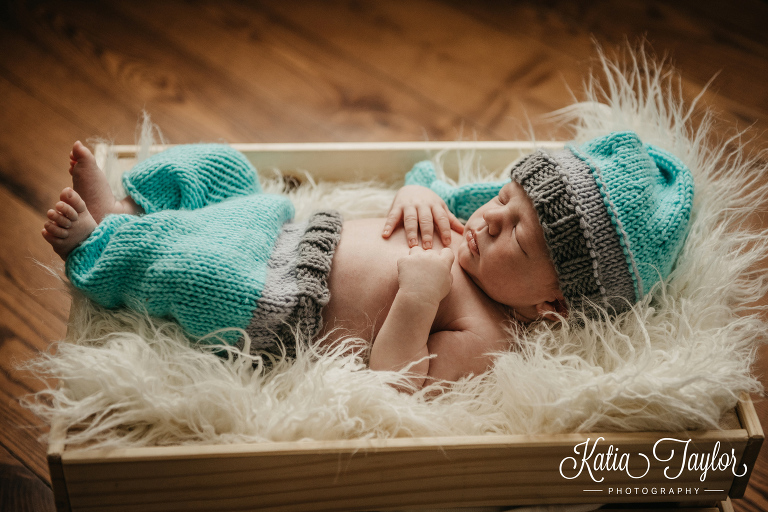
{"x": 676, "y": 361}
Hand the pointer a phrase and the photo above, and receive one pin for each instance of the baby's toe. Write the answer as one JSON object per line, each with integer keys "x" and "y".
{"x": 56, "y": 230}
{"x": 60, "y": 245}
{"x": 80, "y": 152}
{"x": 59, "y": 219}
{"x": 73, "y": 199}
{"x": 66, "y": 210}
{"x": 49, "y": 237}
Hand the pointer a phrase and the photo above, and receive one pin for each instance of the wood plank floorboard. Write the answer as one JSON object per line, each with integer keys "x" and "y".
{"x": 439, "y": 60}
{"x": 337, "y": 70}
{"x": 20, "y": 489}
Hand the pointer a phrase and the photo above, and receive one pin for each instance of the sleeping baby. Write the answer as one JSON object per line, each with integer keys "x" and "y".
{"x": 590, "y": 228}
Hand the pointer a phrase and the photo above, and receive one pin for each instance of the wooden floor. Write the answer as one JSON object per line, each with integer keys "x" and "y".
{"x": 283, "y": 71}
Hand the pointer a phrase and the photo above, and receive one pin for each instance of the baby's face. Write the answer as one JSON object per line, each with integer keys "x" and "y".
{"x": 505, "y": 254}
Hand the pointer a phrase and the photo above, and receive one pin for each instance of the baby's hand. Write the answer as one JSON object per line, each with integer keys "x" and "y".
{"x": 426, "y": 275}
{"x": 420, "y": 208}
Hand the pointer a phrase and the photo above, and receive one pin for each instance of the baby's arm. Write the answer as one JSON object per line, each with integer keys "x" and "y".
{"x": 424, "y": 279}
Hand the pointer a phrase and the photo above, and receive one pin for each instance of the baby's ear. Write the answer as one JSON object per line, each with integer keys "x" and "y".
{"x": 553, "y": 309}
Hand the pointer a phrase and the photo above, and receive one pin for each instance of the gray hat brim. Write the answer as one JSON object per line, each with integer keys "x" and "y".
{"x": 585, "y": 246}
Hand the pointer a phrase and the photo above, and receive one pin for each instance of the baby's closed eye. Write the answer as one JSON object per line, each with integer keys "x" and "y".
{"x": 517, "y": 239}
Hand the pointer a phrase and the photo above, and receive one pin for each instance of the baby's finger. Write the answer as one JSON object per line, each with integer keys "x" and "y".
{"x": 393, "y": 217}
{"x": 443, "y": 224}
{"x": 447, "y": 256}
{"x": 426, "y": 224}
{"x": 411, "y": 223}
{"x": 456, "y": 224}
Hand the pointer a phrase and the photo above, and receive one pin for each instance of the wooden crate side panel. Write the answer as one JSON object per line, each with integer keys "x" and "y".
{"x": 383, "y": 161}
{"x": 714, "y": 508}
{"x": 56, "y": 439}
{"x": 379, "y": 498}
{"x": 462, "y": 475}
{"x": 725, "y": 506}
{"x": 748, "y": 417}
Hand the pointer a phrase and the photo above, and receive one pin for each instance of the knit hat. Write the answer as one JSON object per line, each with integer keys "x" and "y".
{"x": 615, "y": 214}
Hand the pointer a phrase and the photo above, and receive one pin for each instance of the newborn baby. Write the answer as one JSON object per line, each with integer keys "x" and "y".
{"x": 590, "y": 228}
{"x": 452, "y": 297}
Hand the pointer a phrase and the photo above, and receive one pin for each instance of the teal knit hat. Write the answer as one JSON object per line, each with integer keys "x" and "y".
{"x": 615, "y": 214}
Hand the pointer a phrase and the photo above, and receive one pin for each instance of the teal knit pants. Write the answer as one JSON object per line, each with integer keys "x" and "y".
{"x": 211, "y": 252}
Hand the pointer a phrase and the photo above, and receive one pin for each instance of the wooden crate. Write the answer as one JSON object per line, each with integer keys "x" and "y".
{"x": 394, "y": 473}
{"x": 379, "y": 474}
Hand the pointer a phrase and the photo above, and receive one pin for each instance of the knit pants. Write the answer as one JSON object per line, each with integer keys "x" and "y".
{"x": 211, "y": 252}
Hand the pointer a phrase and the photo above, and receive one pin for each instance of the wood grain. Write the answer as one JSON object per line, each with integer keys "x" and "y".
{"x": 358, "y": 474}
{"x": 273, "y": 71}
{"x": 20, "y": 489}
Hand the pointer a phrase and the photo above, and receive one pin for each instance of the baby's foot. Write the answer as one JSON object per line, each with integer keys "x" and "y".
{"x": 69, "y": 223}
{"x": 90, "y": 182}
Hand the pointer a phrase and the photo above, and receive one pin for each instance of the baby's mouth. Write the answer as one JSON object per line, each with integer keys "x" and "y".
{"x": 472, "y": 241}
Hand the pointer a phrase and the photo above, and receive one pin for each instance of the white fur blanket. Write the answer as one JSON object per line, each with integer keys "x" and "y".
{"x": 676, "y": 361}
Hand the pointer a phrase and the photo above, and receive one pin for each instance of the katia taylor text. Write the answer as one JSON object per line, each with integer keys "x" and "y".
{"x": 594, "y": 459}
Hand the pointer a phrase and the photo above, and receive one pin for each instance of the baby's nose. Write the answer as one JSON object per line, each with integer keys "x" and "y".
{"x": 494, "y": 221}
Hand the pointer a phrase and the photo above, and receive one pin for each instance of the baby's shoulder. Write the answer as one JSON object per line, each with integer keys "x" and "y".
{"x": 479, "y": 318}
{"x": 487, "y": 326}
{"x": 469, "y": 308}
{"x": 468, "y": 347}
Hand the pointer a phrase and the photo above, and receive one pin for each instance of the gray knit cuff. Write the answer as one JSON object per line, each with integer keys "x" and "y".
{"x": 583, "y": 243}
{"x": 296, "y": 289}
